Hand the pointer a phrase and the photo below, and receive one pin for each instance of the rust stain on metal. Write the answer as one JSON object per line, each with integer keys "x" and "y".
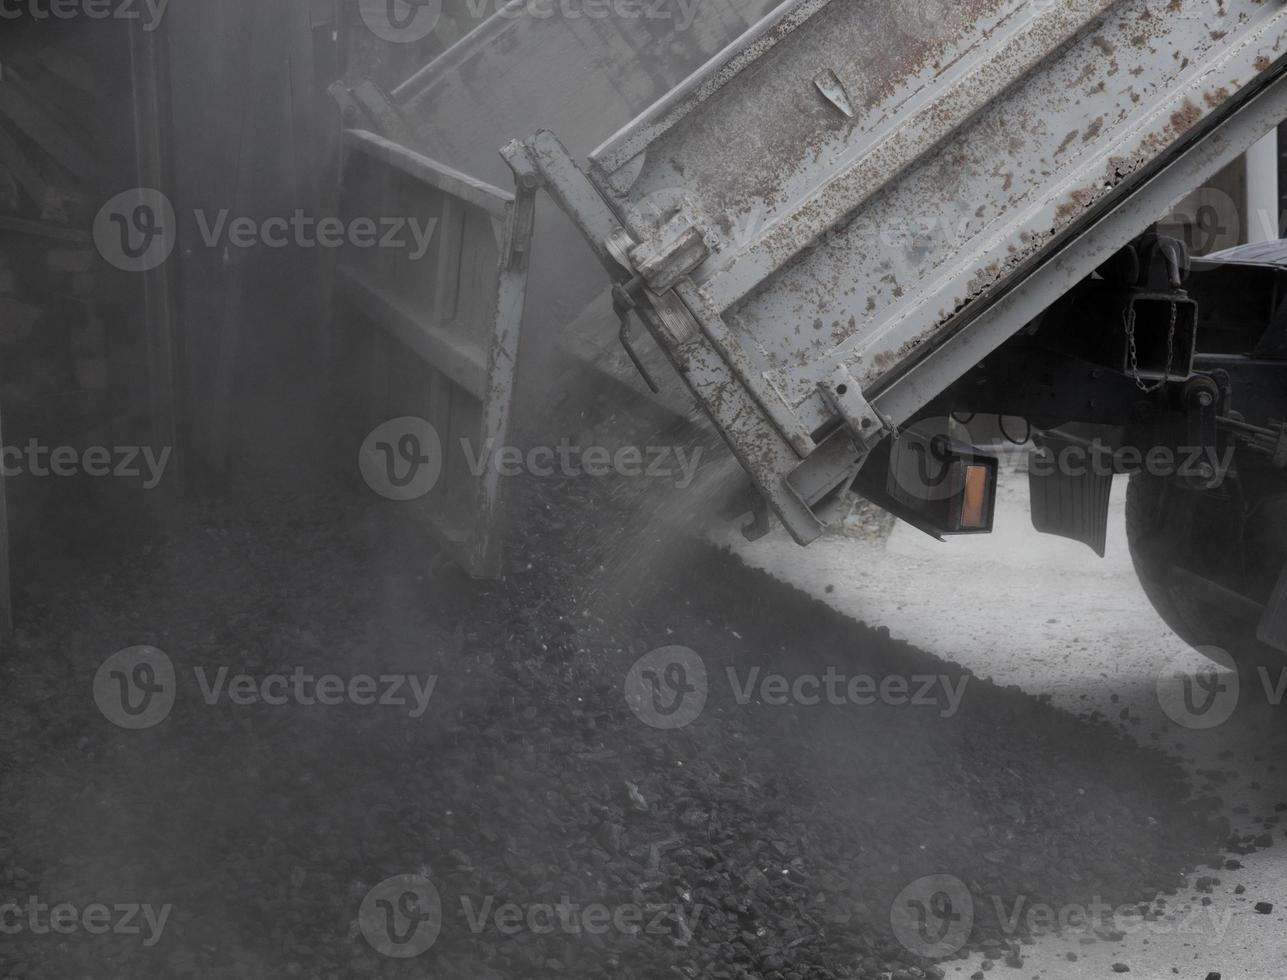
{"x": 1078, "y": 201}
{"x": 891, "y": 55}
{"x": 1186, "y": 118}
{"x": 801, "y": 135}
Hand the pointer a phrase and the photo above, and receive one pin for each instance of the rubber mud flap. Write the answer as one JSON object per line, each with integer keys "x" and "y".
{"x": 1068, "y": 505}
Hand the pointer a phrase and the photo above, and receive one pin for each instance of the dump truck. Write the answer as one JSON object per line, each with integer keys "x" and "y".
{"x": 860, "y": 235}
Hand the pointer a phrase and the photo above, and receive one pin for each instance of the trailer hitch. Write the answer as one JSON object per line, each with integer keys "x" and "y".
{"x": 1159, "y": 317}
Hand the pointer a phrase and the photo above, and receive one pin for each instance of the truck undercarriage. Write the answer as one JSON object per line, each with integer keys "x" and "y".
{"x": 1191, "y": 408}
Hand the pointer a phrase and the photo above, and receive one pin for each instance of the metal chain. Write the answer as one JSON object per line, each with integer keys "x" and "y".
{"x": 1129, "y": 319}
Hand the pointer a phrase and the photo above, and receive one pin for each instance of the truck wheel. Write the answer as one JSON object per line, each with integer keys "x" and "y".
{"x": 1150, "y": 533}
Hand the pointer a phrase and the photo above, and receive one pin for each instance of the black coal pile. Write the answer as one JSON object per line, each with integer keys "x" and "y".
{"x": 536, "y": 818}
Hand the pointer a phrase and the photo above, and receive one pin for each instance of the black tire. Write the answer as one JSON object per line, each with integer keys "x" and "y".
{"x": 1191, "y": 618}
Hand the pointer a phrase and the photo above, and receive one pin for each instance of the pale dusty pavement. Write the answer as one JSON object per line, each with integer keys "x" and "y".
{"x": 1050, "y": 616}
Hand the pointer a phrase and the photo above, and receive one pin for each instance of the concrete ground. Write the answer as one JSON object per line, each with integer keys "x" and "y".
{"x": 1050, "y": 616}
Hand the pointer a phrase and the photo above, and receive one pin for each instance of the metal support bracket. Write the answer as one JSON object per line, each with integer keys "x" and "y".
{"x": 684, "y": 331}
{"x": 366, "y": 106}
{"x": 680, "y": 249}
{"x": 623, "y": 301}
{"x": 1201, "y": 399}
{"x": 845, "y": 396}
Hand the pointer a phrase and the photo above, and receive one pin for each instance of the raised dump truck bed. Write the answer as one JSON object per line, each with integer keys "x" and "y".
{"x": 849, "y": 189}
{"x": 849, "y": 206}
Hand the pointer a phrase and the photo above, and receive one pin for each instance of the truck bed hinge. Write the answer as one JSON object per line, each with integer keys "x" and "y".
{"x": 623, "y": 301}
{"x": 845, "y": 396}
{"x": 678, "y": 249}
